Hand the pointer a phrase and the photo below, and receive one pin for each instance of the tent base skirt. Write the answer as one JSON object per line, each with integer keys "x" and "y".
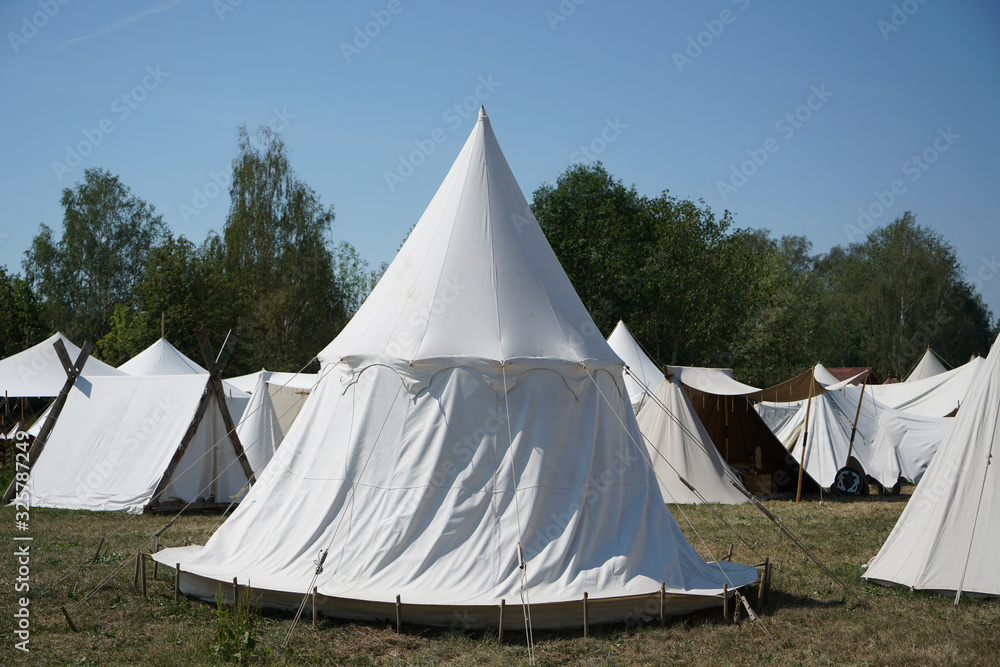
{"x": 544, "y": 616}
{"x": 940, "y": 591}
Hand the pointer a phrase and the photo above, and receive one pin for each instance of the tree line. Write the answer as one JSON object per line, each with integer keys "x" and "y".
{"x": 693, "y": 288}
{"x": 116, "y": 275}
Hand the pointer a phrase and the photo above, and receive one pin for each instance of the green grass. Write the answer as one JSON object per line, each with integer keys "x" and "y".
{"x": 810, "y": 620}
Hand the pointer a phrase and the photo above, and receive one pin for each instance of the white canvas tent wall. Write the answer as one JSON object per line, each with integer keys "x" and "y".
{"x": 643, "y": 376}
{"x": 162, "y": 358}
{"x": 37, "y": 372}
{"x": 928, "y": 366}
{"x": 905, "y": 444}
{"x": 831, "y": 418}
{"x": 469, "y": 407}
{"x": 946, "y": 539}
{"x": 936, "y": 396}
{"x": 272, "y": 410}
{"x": 679, "y": 445}
{"x": 116, "y": 442}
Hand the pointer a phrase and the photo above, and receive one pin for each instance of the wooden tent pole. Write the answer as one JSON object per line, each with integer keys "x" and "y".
{"x": 805, "y": 438}
{"x": 73, "y": 371}
{"x": 857, "y": 415}
{"x": 725, "y": 408}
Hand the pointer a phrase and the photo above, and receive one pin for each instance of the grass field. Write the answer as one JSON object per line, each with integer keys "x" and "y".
{"x": 809, "y": 620}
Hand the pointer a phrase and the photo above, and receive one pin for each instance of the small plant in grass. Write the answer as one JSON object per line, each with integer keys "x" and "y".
{"x": 236, "y": 636}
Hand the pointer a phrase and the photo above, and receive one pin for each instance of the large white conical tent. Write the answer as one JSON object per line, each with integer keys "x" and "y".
{"x": 679, "y": 446}
{"x": 946, "y": 539}
{"x": 470, "y": 412}
{"x": 643, "y": 376}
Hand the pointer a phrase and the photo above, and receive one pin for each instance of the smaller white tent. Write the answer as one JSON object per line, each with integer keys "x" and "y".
{"x": 928, "y": 366}
{"x": 132, "y": 443}
{"x": 37, "y": 371}
{"x": 679, "y": 446}
{"x": 273, "y": 407}
{"x": 162, "y": 358}
{"x": 643, "y": 375}
{"x": 946, "y": 539}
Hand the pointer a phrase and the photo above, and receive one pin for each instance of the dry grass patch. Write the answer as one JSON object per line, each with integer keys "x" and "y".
{"x": 810, "y": 620}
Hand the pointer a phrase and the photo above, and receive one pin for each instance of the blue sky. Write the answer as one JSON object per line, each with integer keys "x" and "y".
{"x": 792, "y": 115}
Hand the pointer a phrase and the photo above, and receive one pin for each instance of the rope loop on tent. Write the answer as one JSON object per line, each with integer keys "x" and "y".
{"x": 319, "y": 562}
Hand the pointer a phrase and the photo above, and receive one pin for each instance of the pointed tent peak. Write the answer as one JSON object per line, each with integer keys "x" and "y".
{"x": 928, "y": 366}
{"x": 482, "y": 113}
{"x": 476, "y": 278}
{"x": 161, "y": 358}
{"x": 644, "y": 375}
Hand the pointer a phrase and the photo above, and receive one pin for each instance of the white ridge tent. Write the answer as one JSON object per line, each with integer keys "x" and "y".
{"x": 37, "y": 372}
{"x": 679, "y": 445}
{"x": 639, "y": 365}
{"x": 946, "y": 538}
{"x": 468, "y": 413}
{"x": 928, "y": 366}
{"x": 276, "y": 400}
{"x": 134, "y": 443}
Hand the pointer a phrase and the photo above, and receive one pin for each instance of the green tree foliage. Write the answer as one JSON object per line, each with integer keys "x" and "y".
{"x": 279, "y": 259}
{"x": 699, "y": 284}
{"x": 789, "y": 332}
{"x": 600, "y": 230}
{"x": 668, "y": 267}
{"x": 910, "y": 292}
{"x": 182, "y": 288}
{"x": 696, "y": 291}
{"x": 355, "y": 278}
{"x": 20, "y": 315}
{"x": 96, "y": 263}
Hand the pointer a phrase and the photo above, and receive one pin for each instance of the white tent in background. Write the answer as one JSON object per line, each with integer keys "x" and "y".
{"x": 831, "y": 413}
{"x": 936, "y": 396}
{"x": 946, "y": 538}
{"x": 134, "y": 443}
{"x": 469, "y": 414}
{"x": 928, "y": 366}
{"x": 162, "y": 358}
{"x": 679, "y": 445}
{"x": 639, "y": 365}
{"x": 276, "y": 400}
{"x": 905, "y": 444}
{"x": 37, "y": 372}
